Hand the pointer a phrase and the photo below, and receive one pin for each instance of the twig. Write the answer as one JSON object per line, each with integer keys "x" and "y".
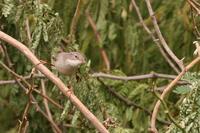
{"x": 161, "y": 38}
{"x": 28, "y": 32}
{"x": 30, "y": 96}
{"x": 55, "y": 80}
{"x": 136, "y": 77}
{"x": 49, "y": 99}
{"x": 194, "y": 6}
{"x": 168, "y": 112}
{"x": 4, "y": 82}
{"x": 44, "y": 114}
{"x": 43, "y": 88}
{"x": 75, "y": 19}
{"x": 127, "y": 101}
{"x": 167, "y": 90}
{"x": 98, "y": 38}
{"x": 195, "y": 2}
{"x": 71, "y": 126}
{"x": 24, "y": 121}
{"x": 154, "y": 38}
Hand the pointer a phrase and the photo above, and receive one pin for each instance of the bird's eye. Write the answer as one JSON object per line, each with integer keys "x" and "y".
{"x": 76, "y": 56}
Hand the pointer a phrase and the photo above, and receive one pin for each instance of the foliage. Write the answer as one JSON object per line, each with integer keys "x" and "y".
{"x": 189, "y": 108}
{"x": 130, "y": 51}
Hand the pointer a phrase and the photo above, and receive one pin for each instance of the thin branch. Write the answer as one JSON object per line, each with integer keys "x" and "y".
{"x": 136, "y": 77}
{"x": 167, "y": 90}
{"x": 195, "y": 2}
{"x": 168, "y": 112}
{"x": 94, "y": 27}
{"x": 23, "y": 123}
{"x": 192, "y": 3}
{"x": 49, "y": 99}
{"x": 4, "y": 82}
{"x": 154, "y": 38}
{"x": 28, "y": 32}
{"x": 66, "y": 91}
{"x": 98, "y": 38}
{"x": 128, "y": 102}
{"x": 46, "y": 116}
{"x": 75, "y": 18}
{"x": 46, "y": 105}
{"x": 30, "y": 97}
{"x": 161, "y": 38}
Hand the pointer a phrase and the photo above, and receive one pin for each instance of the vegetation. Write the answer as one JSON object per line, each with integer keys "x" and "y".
{"x": 114, "y": 40}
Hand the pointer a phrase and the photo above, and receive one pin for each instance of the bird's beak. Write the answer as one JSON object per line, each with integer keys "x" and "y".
{"x": 83, "y": 61}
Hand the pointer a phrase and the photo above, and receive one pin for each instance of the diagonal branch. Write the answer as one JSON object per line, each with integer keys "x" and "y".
{"x": 99, "y": 40}
{"x": 167, "y": 90}
{"x": 99, "y": 126}
{"x": 161, "y": 38}
{"x": 154, "y": 38}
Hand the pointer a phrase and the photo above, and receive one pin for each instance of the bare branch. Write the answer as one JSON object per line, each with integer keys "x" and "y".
{"x": 55, "y": 80}
{"x": 75, "y": 18}
{"x": 161, "y": 38}
{"x": 46, "y": 105}
{"x": 49, "y": 99}
{"x": 154, "y": 38}
{"x": 24, "y": 123}
{"x": 98, "y": 38}
{"x": 136, "y": 77}
{"x": 4, "y": 82}
{"x": 192, "y": 3}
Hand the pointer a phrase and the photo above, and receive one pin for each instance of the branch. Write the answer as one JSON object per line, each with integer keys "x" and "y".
{"x": 127, "y": 101}
{"x": 75, "y": 19}
{"x": 49, "y": 99}
{"x": 154, "y": 38}
{"x": 55, "y": 80}
{"x": 137, "y": 77}
{"x": 167, "y": 90}
{"x": 31, "y": 98}
{"x": 4, "y": 82}
{"x": 192, "y": 4}
{"x": 98, "y": 38}
{"x": 161, "y": 38}
{"x": 46, "y": 105}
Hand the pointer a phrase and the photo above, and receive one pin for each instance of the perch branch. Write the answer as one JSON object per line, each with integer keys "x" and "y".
{"x": 55, "y": 80}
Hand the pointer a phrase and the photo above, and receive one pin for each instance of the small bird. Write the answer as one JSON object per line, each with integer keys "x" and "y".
{"x": 68, "y": 62}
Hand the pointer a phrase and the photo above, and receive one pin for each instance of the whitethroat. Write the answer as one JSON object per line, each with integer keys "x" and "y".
{"x": 68, "y": 62}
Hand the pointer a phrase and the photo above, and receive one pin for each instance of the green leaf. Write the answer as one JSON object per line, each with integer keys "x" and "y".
{"x": 112, "y": 33}
{"x": 129, "y": 114}
{"x": 182, "y": 90}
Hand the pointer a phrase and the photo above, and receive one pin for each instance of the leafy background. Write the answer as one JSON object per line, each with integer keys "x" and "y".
{"x": 129, "y": 48}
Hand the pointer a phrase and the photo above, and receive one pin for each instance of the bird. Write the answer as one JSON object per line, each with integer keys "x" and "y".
{"x": 67, "y": 63}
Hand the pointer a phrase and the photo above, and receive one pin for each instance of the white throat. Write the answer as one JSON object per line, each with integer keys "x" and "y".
{"x": 74, "y": 63}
